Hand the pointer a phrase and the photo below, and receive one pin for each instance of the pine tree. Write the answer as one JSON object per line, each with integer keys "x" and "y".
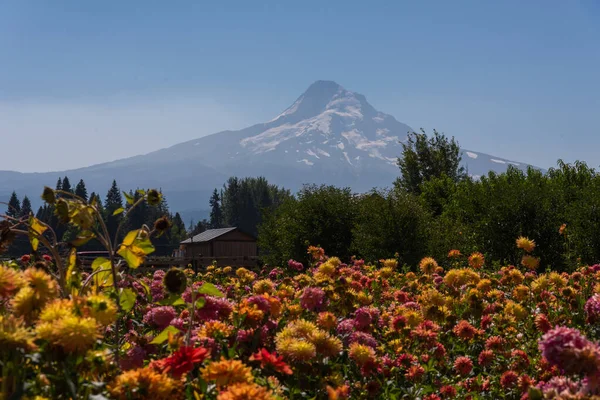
{"x": 113, "y": 202}
{"x": 26, "y": 207}
{"x": 14, "y": 206}
{"x": 81, "y": 191}
{"x": 216, "y": 213}
{"x": 40, "y": 214}
{"x": 66, "y": 185}
{"x": 59, "y": 184}
{"x": 232, "y": 202}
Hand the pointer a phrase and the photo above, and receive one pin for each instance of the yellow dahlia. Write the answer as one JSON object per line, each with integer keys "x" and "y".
{"x": 390, "y": 263}
{"x": 263, "y": 286}
{"x": 246, "y": 391}
{"x": 454, "y": 254}
{"x": 530, "y": 262}
{"x": 215, "y": 329}
{"x": 327, "y": 268}
{"x": 361, "y": 354}
{"x": 327, "y": 320}
{"x": 227, "y": 372}
{"x": 57, "y": 309}
{"x": 101, "y": 308}
{"x": 73, "y": 334}
{"x": 10, "y": 281}
{"x": 325, "y": 344}
{"x": 428, "y": 265}
{"x": 25, "y": 302}
{"x": 145, "y": 383}
{"x": 44, "y": 286}
{"x": 526, "y": 244}
{"x": 15, "y": 335}
{"x": 476, "y": 260}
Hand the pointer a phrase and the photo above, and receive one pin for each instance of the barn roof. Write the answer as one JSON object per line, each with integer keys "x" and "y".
{"x": 208, "y": 235}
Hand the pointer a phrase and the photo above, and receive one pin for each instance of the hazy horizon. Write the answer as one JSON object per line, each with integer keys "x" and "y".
{"x": 514, "y": 80}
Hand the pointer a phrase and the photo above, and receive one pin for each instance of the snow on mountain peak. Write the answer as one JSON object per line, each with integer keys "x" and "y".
{"x": 327, "y": 112}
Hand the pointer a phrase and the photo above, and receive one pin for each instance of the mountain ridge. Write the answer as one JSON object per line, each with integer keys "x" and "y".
{"x": 328, "y": 135}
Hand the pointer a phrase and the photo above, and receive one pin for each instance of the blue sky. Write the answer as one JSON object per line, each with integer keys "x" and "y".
{"x": 87, "y": 82}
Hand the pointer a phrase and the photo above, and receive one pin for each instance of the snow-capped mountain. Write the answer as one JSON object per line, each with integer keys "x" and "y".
{"x": 328, "y": 135}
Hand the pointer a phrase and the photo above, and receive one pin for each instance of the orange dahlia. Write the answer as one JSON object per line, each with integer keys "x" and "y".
{"x": 226, "y": 372}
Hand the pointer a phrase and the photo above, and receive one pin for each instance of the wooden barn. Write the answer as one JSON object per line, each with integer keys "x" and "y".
{"x": 227, "y": 246}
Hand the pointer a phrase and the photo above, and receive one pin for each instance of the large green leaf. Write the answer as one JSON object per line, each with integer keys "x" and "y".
{"x": 118, "y": 211}
{"x": 128, "y": 198}
{"x": 211, "y": 290}
{"x": 35, "y": 229}
{"x": 127, "y": 299}
{"x": 105, "y": 277}
{"x": 164, "y": 335}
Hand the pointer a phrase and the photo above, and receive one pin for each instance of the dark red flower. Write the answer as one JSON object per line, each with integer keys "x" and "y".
{"x": 25, "y": 258}
{"x": 271, "y": 359}
{"x": 47, "y": 257}
{"x": 183, "y": 360}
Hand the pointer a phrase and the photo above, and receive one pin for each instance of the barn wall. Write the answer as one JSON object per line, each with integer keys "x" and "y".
{"x": 198, "y": 249}
{"x": 226, "y": 248}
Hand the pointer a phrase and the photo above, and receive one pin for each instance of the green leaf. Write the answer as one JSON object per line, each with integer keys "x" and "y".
{"x": 72, "y": 273}
{"x": 133, "y": 258}
{"x": 104, "y": 278}
{"x": 200, "y": 303}
{"x": 128, "y": 198}
{"x": 211, "y": 290}
{"x": 118, "y": 211}
{"x": 127, "y": 301}
{"x": 82, "y": 238}
{"x": 173, "y": 300}
{"x": 164, "y": 335}
{"x": 35, "y": 229}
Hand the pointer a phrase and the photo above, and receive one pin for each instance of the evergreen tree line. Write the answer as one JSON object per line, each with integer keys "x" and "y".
{"x": 434, "y": 207}
{"x": 242, "y": 203}
{"x": 113, "y": 200}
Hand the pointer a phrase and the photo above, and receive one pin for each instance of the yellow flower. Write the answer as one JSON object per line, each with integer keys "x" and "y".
{"x": 364, "y": 299}
{"x": 73, "y": 334}
{"x": 386, "y": 272}
{"x": 102, "y": 309}
{"x": 521, "y": 292}
{"x": 246, "y": 391}
{"x": 226, "y": 372}
{"x": 227, "y": 270}
{"x": 327, "y": 268}
{"x": 325, "y": 344}
{"x": 557, "y": 280}
{"x": 515, "y": 276}
{"x": 25, "y": 302}
{"x": 14, "y": 334}
{"x": 428, "y": 265}
{"x": 484, "y": 285}
{"x": 391, "y": 263}
{"x": 145, "y": 383}
{"x": 361, "y": 354}
{"x": 10, "y": 281}
{"x": 327, "y": 320}
{"x": 530, "y": 262}
{"x": 263, "y": 286}
{"x": 454, "y": 254}
{"x": 476, "y": 260}
{"x": 253, "y": 315}
{"x": 526, "y": 244}
{"x": 44, "y": 286}
{"x": 334, "y": 261}
{"x": 56, "y": 310}
{"x": 516, "y": 310}
{"x": 215, "y": 329}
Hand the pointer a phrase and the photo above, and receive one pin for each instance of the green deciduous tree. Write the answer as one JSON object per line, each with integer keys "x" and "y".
{"x": 424, "y": 158}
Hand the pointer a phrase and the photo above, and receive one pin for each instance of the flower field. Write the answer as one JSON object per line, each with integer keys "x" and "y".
{"x": 454, "y": 329}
